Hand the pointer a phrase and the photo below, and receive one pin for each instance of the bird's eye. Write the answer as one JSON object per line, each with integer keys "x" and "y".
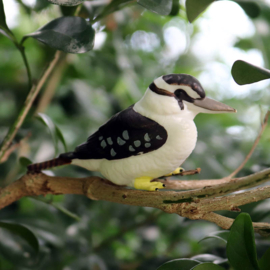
{"x": 181, "y": 94}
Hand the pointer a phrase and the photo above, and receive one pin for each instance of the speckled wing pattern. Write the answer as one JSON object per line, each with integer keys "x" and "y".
{"x": 126, "y": 134}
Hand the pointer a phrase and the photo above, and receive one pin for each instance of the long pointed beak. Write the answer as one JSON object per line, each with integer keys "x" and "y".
{"x": 213, "y": 106}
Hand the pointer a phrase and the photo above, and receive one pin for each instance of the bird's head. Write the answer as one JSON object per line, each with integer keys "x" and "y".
{"x": 183, "y": 94}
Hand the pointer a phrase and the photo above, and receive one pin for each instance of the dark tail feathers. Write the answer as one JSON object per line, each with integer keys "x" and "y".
{"x": 38, "y": 167}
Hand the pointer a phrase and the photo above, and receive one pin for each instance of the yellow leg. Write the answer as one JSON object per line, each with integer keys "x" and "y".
{"x": 145, "y": 183}
{"x": 176, "y": 171}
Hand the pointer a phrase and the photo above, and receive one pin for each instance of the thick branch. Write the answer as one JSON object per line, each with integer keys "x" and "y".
{"x": 194, "y": 204}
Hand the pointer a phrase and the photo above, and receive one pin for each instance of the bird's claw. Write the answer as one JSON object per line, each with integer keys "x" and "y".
{"x": 146, "y": 183}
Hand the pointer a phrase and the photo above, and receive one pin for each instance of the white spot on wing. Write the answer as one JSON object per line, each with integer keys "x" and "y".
{"x": 125, "y": 135}
{"x": 113, "y": 153}
{"x": 147, "y": 145}
{"x": 158, "y": 137}
{"x": 103, "y": 144}
{"x": 120, "y": 141}
{"x": 146, "y": 137}
{"x": 137, "y": 143}
{"x": 131, "y": 148}
{"x": 109, "y": 140}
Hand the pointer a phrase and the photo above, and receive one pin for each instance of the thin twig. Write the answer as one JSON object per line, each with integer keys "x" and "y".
{"x": 27, "y": 105}
{"x": 8, "y": 33}
{"x": 264, "y": 124}
{"x": 58, "y": 207}
{"x": 13, "y": 147}
{"x": 22, "y": 51}
{"x": 183, "y": 173}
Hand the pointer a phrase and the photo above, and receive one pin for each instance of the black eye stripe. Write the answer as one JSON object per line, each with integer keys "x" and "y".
{"x": 160, "y": 91}
{"x": 181, "y": 94}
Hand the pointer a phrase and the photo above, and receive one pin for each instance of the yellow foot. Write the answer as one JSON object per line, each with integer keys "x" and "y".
{"x": 176, "y": 171}
{"x": 145, "y": 183}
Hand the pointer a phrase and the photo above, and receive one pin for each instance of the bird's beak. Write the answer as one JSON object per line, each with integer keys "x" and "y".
{"x": 209, "y": 105}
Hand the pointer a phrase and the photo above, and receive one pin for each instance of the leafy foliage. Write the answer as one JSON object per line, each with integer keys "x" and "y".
{"x": 132, "y": 48}
{"x": 221, "y": 235}
{"x": 66, "y": 2}
{"x": 185, "y": 264}
{"x": 196, "y": 7}
{"x": 241, "y": 251}
{"x": 55, "y": 132}
{"x": 162, "y": 7}
{"x": 207, "y": 266}
{"x": 2, "y": 16}
{"x": 68, "y": 34}
{"x": 264, "y": 262}
{"x": 23, "y": 232}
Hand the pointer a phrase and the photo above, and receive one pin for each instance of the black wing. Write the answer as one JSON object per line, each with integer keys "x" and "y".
{"x": 126, "y": 134}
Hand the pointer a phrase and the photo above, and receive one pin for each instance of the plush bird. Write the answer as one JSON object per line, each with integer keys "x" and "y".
{"x": 149, "y": 139}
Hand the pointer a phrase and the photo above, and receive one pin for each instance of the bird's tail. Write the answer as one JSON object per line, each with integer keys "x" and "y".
{"x": 38, "y": 167}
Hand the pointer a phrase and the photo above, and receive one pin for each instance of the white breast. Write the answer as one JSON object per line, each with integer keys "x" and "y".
{"x": 182, "y": 137}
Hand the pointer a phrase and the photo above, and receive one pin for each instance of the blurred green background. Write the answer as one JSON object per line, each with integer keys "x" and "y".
{"x": 133, "y": 46}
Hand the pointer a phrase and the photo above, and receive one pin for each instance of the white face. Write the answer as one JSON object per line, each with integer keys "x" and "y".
{"x": 179, "y": 94}
{"x": 160, "y": 83}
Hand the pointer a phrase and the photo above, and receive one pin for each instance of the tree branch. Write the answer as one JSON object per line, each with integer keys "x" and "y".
{"x": 225, "y": 223}
{"x": 194, "y": 204}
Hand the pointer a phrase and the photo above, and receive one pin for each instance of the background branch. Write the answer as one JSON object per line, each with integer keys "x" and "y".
{"x": 264, "y": 124}
{"x": 27, "y": 105}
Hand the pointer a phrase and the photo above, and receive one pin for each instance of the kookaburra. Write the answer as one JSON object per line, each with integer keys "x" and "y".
{"x": 149, "y": 139}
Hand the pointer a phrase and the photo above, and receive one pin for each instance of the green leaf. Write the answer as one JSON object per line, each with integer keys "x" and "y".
{"x": 60, "y": 136}
{"x": 221, "y": 235}
{"x": 69, "y": 34}
{"x": 162, "y": 7}
{"x": 208, "y": 266}
{"x": 264, "y": 262}
{"x": 54, "y": 131}
{"x": 251, "y": 8}
{"x": 209, "y": 258}
{"x": 24, "y": 161}
{"x": 66, "y": 2}
{"x": 175, "y": 8}
{"x": 47, "y": 121}
{"x": 241, "y": 249}
{"x": 2, "y": 16}
{"x": 183, "y": 264}
{"x": 23, "y": 232}
{"x": 246, "y": 73}
{"x": 195, "y": 7}
{"x": 40, "y": 5}
{"x": 244, "y": 44}
{"x": 111, "y": 7}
